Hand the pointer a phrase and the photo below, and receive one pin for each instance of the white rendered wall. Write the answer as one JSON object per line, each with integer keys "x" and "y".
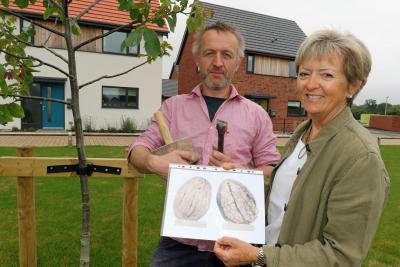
{"x": 90, "y": 65}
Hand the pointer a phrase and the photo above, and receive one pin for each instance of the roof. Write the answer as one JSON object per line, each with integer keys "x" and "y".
{"x": 263, "y": 34}
{"x": 105, "y": 12}
{"x": 169, "y": 88}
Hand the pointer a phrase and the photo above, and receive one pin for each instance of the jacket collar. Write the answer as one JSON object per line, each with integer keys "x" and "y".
{"x": 326, "y": 133}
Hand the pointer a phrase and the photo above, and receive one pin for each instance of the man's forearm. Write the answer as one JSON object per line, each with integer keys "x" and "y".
{"x": 139, "y": 157}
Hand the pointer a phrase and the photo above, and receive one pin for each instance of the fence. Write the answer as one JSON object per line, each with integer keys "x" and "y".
{"x": 25, "y": 167}
{"x": 287, "y": 125}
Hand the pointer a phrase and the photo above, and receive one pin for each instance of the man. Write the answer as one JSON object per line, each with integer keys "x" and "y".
{"x": 249, "y": 141}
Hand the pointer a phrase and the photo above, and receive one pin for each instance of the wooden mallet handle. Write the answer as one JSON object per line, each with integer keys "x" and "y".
{"x": 162, "y": 125}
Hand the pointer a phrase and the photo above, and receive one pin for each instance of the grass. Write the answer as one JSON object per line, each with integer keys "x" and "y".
{"x": 58, "y": 215}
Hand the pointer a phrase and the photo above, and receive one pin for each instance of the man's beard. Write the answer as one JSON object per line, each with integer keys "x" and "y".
{"x": 212, "y": 85}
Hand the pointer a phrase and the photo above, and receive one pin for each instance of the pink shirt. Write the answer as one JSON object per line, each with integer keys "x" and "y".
{"x": 249, "y": 140}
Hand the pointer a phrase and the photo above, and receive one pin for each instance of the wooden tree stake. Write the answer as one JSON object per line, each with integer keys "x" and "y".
{"x": 129, "y": 231}
{"x": 26, "y": 215}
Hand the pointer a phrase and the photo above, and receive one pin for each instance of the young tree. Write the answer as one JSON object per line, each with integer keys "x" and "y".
{"x": 17, "y": 68}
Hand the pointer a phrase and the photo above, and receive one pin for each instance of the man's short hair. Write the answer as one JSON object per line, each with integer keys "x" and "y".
{"x": 219, "y": 26}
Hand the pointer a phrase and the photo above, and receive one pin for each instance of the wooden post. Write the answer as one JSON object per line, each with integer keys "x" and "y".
{"x": 129, "y": 231}
{"x": 26, "y": 215}
{"x": 129, "y": 221}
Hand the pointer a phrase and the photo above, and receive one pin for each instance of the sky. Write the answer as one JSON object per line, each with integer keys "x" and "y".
{"x": 375, "y": 22}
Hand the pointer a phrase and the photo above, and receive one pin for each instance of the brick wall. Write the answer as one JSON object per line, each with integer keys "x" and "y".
{"x": 388, "y": 122}
{"x": 282, "y": 88}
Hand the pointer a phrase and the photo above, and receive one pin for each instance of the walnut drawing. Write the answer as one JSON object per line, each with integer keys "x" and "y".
{"x": 236, "y": 203}
{"x": 192, "y": 200}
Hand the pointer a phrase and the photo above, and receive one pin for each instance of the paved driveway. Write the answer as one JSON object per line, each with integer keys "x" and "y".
{"x": 42, "y": 139}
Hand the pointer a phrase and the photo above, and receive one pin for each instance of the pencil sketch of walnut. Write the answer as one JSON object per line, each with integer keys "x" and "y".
{"x": 236, "y": 203}
{"x": 193, "y": 199}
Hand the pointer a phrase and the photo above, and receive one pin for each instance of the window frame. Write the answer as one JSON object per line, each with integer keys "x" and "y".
{"x": 126, "y": 106}
{"x": 301, "y": 111}
{"x": 292, "y": 69}
{"x": 127, "y": 53}
{"x": 251, "y": 71}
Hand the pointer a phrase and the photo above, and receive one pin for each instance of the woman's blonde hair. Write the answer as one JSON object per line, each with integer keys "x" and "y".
{"x": 356, "y": 57}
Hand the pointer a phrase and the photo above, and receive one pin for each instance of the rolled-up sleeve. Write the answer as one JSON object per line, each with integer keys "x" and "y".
{"x": 264, "y": 147}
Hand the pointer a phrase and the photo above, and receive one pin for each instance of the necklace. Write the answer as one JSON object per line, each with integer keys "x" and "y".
{"x": 305, "y": 138}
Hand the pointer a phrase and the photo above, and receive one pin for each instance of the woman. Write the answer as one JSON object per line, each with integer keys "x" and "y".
{"x": 328, "y": 191}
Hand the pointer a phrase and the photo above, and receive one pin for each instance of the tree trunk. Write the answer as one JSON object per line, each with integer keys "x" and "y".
{"x": 80, "y": 146}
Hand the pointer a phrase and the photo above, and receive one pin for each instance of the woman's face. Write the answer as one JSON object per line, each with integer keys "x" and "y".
{"x": 323, "y": 88}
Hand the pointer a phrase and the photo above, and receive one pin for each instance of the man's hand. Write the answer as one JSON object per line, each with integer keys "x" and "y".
{"x": 146, "y": 162}
{"x": 234, "y": 252}
{"x": 222, "y": 160}
{"x": 160, "y": 164}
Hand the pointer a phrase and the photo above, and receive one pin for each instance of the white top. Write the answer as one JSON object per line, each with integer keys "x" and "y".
{"x": 280, "y": 193}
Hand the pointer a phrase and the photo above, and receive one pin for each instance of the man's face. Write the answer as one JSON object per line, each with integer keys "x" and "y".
{"x": 218, "y": 59}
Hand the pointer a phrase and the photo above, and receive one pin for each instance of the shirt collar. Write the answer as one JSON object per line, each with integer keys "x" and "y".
{"x": 234, "y": 92}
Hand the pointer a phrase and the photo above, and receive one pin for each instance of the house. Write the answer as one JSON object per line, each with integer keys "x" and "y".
{"x": 169, "y": 88}
{"x": 104, "y": 103}
{"x": 267, "y": 74}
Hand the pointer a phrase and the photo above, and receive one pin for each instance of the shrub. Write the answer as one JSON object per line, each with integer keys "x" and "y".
{"x": 128, "y": 125}
{"x": 88, "y": 124}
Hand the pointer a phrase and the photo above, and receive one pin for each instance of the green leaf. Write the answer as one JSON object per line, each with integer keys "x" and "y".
{"x": 49, "y": 11}
{"x": 3, "y": 83}
{"x": 15, "y": 110}
{"x": 76, "y": 30}
{"x": 152, "y": 43}
{"x": 125, "y": 4}
{"x": 22, "y": 3}
{"x": 5, "y": 2}
{"x": 5, "y": 115}
{"x": 176, "y": 9}
{"x": 194, "y": 23}
{"x": 136, "y": 15}
{"x": 134, "y": 37}
{"x": 159, "y": 21}
{"x": 146, "y": 9}
{"x": 172, "y": 22}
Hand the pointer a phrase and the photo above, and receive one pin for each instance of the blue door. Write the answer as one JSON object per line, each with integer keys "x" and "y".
{"x": 52, "y": 112}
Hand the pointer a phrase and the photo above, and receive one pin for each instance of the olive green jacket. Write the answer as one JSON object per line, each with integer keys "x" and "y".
{"x": 336, "y": 200}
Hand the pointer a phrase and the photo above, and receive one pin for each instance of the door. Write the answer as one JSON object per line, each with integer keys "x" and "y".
{"x": 32, "y": 109}
{"x": 44, "y": 114}
{"x": 52, "y": 112}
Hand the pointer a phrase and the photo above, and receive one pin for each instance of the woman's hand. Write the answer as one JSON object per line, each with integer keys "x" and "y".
{"x": 234, "y": 252}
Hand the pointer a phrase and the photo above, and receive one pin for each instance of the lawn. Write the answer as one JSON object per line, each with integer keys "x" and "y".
{"x": 58, "y": 215}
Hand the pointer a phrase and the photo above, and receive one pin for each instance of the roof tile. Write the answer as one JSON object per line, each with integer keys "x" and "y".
{"x": 104, "y": 12}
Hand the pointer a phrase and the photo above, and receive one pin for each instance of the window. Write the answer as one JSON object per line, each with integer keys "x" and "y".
{"x": 112, "y": 44}
{"x": 120, "y": 97}
{"x": 250, "y": 64}
{"x": 295, "y": 108}
{"x": 24, "y": 27}
{"x": 292, "y": 69}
